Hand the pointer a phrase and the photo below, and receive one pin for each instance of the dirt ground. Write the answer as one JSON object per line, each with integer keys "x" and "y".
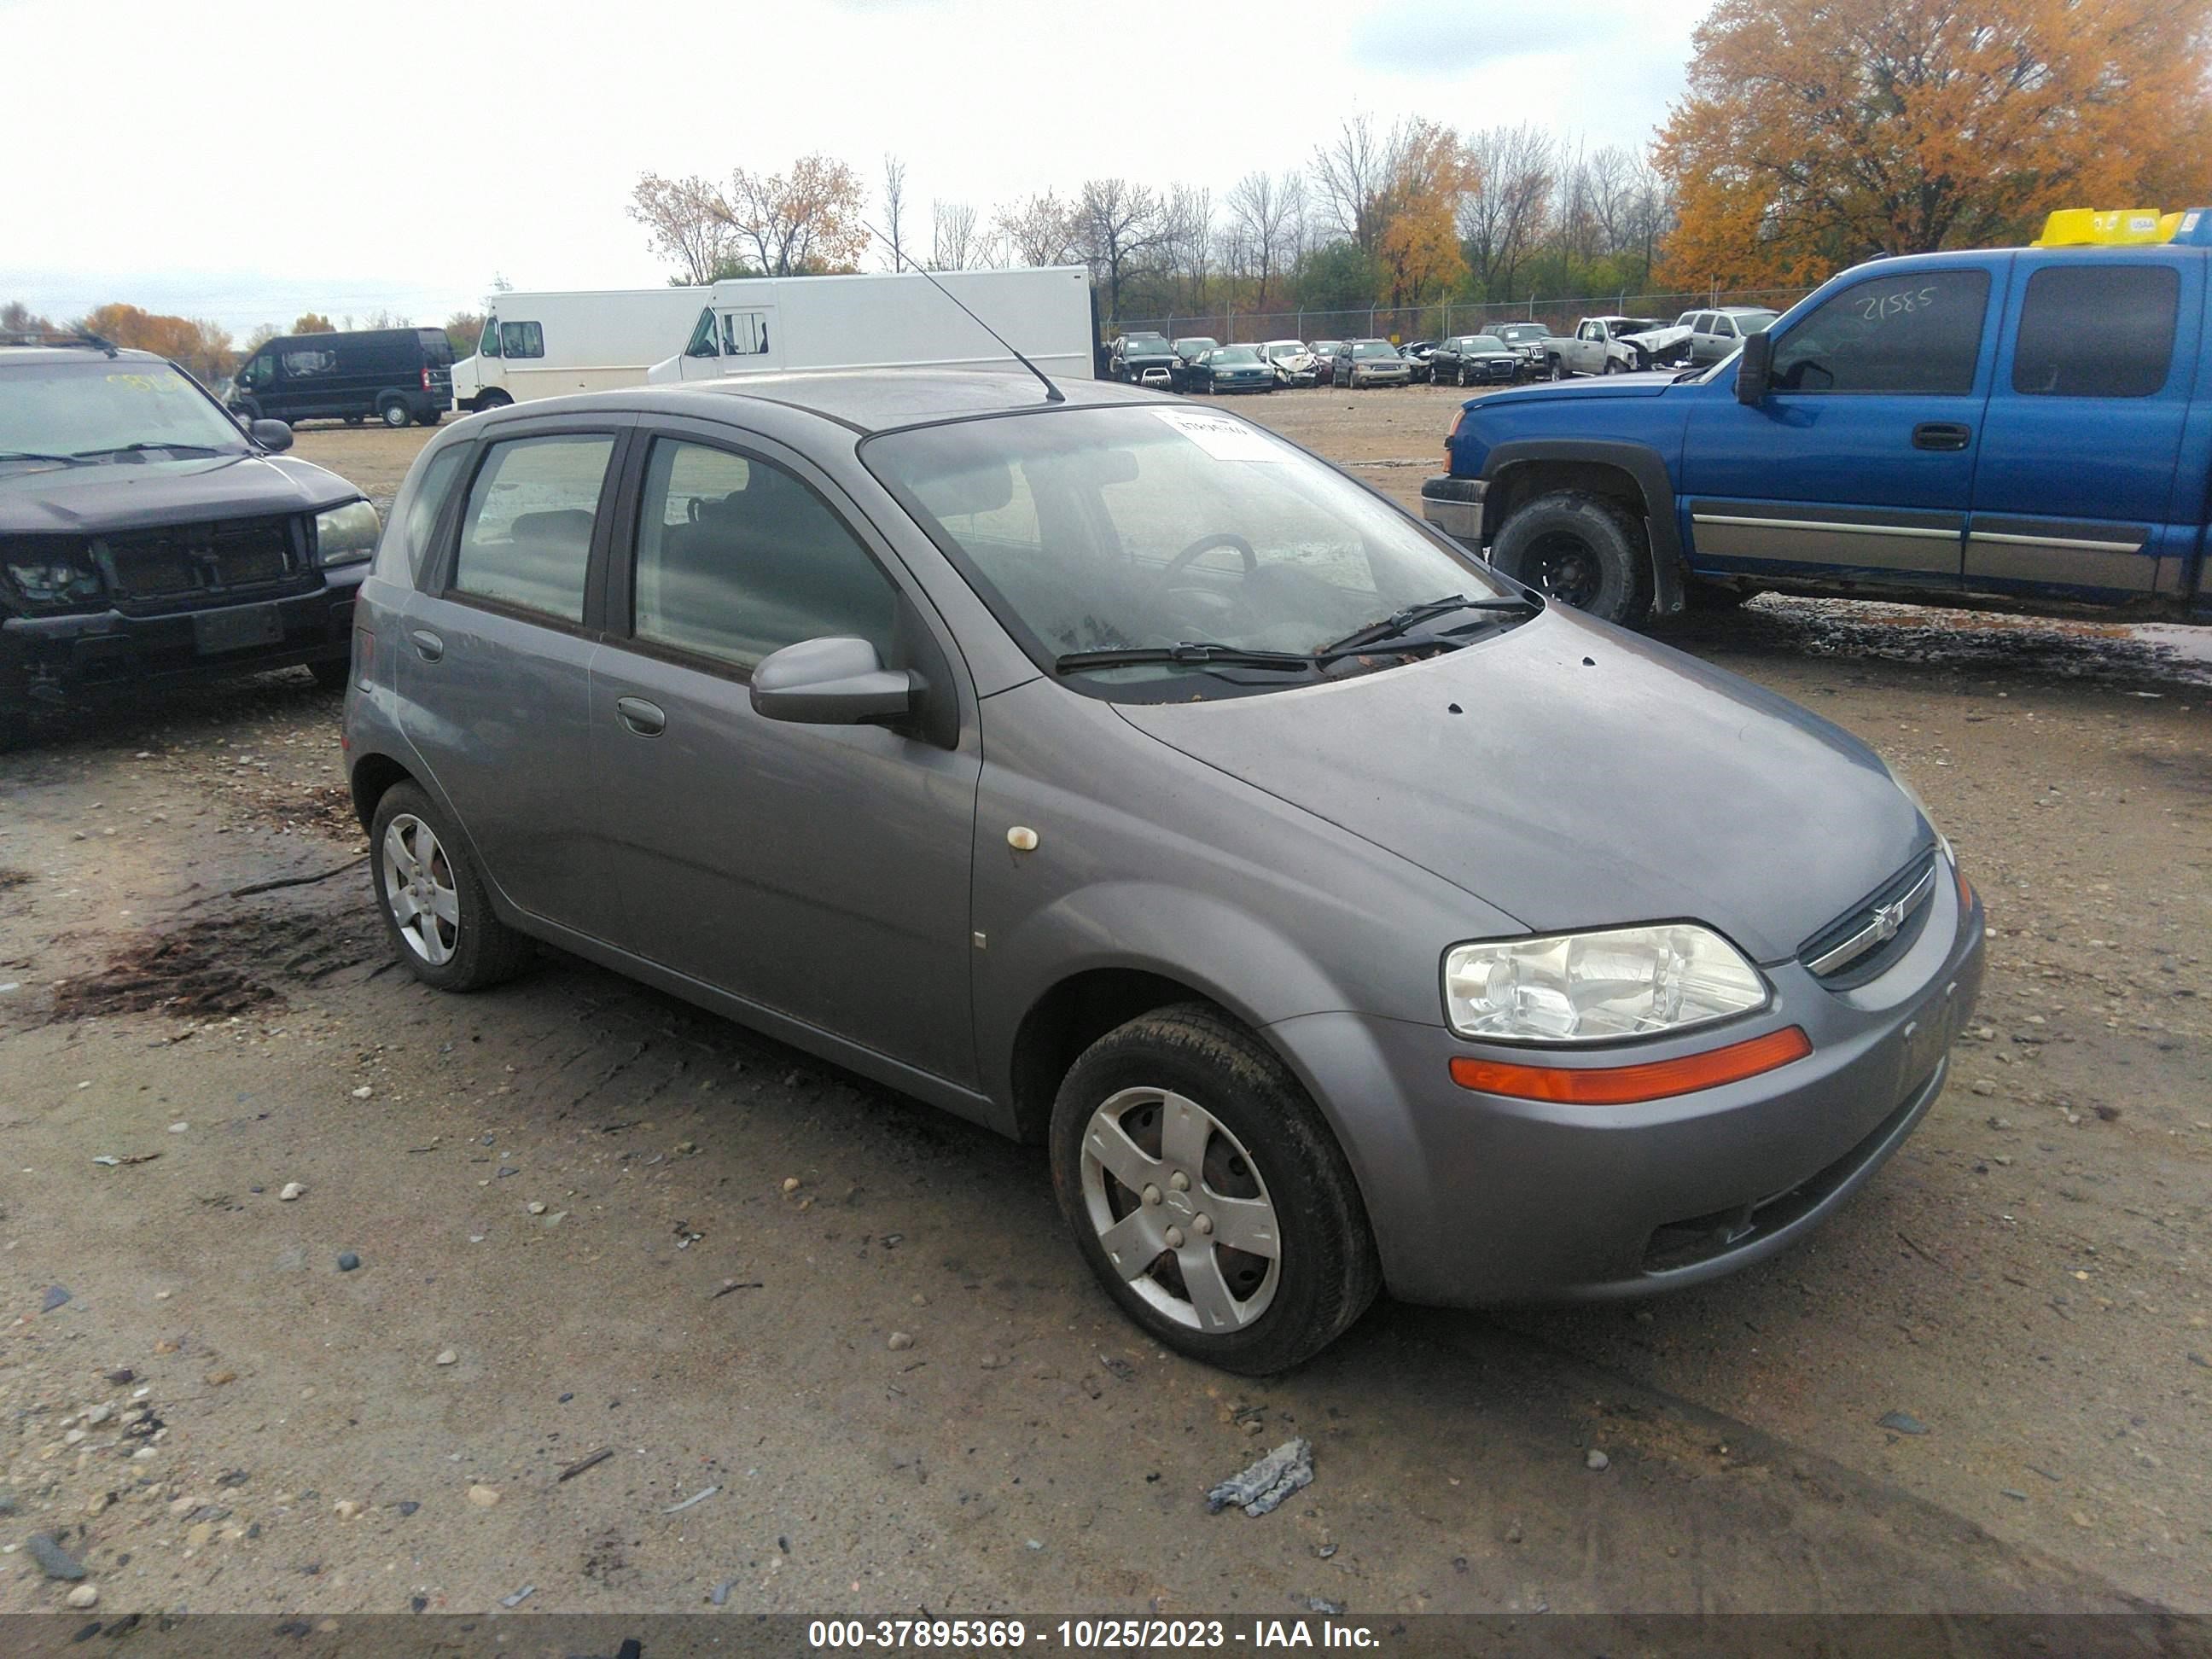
{"x": 571, "y": 1205}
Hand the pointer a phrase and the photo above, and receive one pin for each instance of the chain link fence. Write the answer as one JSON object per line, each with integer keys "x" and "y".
{"x": 1438, "y": 322}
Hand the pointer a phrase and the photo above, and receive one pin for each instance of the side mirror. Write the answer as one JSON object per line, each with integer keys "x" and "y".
{"x": 1752, "y": 369}
{"x": 834, "y": 681}
{"x": 271, "y": 434}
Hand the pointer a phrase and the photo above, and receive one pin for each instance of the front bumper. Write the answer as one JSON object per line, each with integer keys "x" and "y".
{"x": 1481, "y": 1200}
{"x": 1454, "y": 506}
{"x": 105, "y": 654}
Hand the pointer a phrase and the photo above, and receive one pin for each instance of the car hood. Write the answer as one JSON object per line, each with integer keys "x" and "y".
{"x": 1593, "y": 780}
{"x": 121, "y": 495}
{"x": 1640, "y": 383}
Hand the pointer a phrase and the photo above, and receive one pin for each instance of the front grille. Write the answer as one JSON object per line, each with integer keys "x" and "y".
{"x": 174, "y": 566}
{"x": 1913, "y": 888}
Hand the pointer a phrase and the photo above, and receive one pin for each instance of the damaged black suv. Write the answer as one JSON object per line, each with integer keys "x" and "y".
{"x": 147, "y": 537}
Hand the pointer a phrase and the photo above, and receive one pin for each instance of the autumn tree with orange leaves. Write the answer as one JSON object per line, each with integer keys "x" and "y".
{"x": 203, "y": 347}
{"x": 1817, "y": 133}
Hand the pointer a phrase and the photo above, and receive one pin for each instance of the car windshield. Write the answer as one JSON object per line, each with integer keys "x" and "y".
{"x": 1117, "y": 528}
{"x": 1146, "y": 343}
{"x": 1373, "y": 348}
{"x": 1191, "y": 348}
{"x": 106, "y": 406}
{"x": 1521, "y": 331}
{"x": 1479, "y": 343}
{"x": 1283, "y": 347}
{"x": 1235, "y": 357}
{"x": 1329, "y": 348}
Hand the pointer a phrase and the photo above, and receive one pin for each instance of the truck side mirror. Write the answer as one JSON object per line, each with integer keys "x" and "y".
{"x": 1753, "y": 368}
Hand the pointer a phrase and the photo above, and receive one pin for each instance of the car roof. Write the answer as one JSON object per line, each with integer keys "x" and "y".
{"x": 85, "y": 352}
{"x": 864, "y": 400}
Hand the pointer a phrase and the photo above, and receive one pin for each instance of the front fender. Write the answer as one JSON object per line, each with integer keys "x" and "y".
{"x": 1643, "y": 463}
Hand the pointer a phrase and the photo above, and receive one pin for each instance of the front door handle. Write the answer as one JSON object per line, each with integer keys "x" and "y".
{"x": 646, "y": 719}
{"x": 1942, "y": 434}
{"x": 428, "y": 645}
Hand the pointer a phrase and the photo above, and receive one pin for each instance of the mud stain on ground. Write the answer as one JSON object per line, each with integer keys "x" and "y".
{"x": 219, "y": 966}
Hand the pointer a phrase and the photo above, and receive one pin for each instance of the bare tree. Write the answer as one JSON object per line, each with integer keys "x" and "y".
{"x": 1188, "y": 241}
{"x": 262, "y": 335}
{"x": 1266, "y": 218}
{"x": 1502, "y": 218}
{"x": 1119, "y": 230}
{"x": 1352, "y": 176}
{"x": 1039, "y": 230}
{"x": 804, "y": 222}
{"x": 686, "y": 223}
{"x": 895, "y": 208}
{"x": 957, "y": 240}
{"x": 16, "y": 318}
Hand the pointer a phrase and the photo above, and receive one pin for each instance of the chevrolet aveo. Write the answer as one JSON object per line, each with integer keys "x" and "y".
{"x": 1111, "y": 772}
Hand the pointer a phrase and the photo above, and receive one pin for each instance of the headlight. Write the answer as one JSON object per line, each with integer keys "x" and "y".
{"x": 345, "y": 535}
{"x": 52, "y": 582}
{"x": 1600, "y": 987}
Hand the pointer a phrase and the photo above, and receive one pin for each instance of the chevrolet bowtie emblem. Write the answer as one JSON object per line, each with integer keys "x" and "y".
{"x": 1889, "y": 918}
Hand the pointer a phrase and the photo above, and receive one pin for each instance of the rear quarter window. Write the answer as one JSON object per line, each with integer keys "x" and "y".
{"x": 2096, "y": 331}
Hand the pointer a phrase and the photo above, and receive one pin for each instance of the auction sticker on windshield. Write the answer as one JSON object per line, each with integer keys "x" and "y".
{"x": 1223, "y": 439}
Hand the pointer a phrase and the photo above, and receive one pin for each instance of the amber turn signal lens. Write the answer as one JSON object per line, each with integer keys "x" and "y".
{"x": 1623, "y": 1086}
{"x": 1966, "y": 889}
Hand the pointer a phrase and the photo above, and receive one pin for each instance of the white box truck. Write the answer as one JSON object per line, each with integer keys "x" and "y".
{"x": 543, "y": 345}
{"x": 754, "y": 325}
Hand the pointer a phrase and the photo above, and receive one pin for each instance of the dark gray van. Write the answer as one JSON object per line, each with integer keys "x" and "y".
{"x": 398, "y": 375}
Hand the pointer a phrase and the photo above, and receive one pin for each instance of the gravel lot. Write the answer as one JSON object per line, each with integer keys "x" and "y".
{"x": 570, "y": 1200}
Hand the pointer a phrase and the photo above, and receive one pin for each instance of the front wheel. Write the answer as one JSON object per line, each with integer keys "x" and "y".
{"x": 1559, "y": 369}
{"x": 1580, "y": 549}
{"x": 434, "y": 903}
{"x": 1208, "y": 1195}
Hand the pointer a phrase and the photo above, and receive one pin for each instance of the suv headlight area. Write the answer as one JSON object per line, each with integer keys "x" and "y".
{"x": 1598, "y": 986}
{"x": 345, "y": 535}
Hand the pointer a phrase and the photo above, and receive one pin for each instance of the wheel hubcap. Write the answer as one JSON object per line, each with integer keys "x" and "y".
{"x": 1181, "y": 1209}
{"x": 418, "y": 889}
{"x": 1563, "y": 567}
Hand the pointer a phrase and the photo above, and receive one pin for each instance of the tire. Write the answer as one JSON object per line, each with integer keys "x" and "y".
{"x": 246, "y": 409}
{"x": 1463, "y": 381}
{"x": 1580, "y": 549}
{"x": 355, "y": 420}
{"x": 492, "y": 399}
{"x": 431, "y": 419}
{"x": 472, "y": 950}
{"x": 1614, "y": 366}
{"x": 1260, "y": 1143}
{"x": 393, "y": 412}
{"x": 332, "y": 673}
{"x": 1559, "y": 370}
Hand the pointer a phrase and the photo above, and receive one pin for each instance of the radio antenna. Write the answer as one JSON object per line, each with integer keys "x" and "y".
{"x": 1053, "y": 394}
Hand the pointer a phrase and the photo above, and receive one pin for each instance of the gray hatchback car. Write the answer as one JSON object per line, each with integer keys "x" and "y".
{"x": 1115, "y": 774}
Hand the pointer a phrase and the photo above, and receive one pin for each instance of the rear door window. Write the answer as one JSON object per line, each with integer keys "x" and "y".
{"x": 526, "y": 535}
{"x": 2096, "y": 331}
{"x": 1914, "y": 334}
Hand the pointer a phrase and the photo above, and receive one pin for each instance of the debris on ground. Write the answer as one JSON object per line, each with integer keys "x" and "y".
{"x": 519, "y": 1597}
{"x": 1901, "y": 1423}
{"x": 591, "y": 1461}
{"x": 720, "y": 1593}
{"x": 348, "y": 1261}
{"x": 53, "y": 1560}
{"x": 1259, "y": 1489}
{"x": 1595, "y": 1459}
{"x": 695, "y": 1498}
{"x": 55, "y": 1295}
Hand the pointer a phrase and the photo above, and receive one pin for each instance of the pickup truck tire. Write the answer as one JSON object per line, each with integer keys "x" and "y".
{"x": 1579, "y": 549}
{"x": 1559, "y": 369}
{"x": 1614, "y": 366}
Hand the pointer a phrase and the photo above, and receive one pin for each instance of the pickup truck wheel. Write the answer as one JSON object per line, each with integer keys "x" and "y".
{"x": 1579, "y": 549}
{"x": 1559, "y": 369}
{"x": 1208, "y": 1195}
{"x": 1614, "y": 366}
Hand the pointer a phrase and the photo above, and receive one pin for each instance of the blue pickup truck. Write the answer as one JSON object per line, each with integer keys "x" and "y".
{"x": 2020, "y": 426}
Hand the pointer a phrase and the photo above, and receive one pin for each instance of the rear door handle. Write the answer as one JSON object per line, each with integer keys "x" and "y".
{"x": 646, "y": 719}
{"x": 427, "y": 645}
{"x": 1942, "y": 434}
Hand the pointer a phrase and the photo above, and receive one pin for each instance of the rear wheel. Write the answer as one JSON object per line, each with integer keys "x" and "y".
{"x": 1580, "y": 549}
{"x": 1208, "y": 1195}
{"x": 392, "y": 411}
{"x": 435, "y": 903}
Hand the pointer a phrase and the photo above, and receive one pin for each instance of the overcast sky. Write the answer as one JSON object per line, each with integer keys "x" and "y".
{"x": 247, "y": 162}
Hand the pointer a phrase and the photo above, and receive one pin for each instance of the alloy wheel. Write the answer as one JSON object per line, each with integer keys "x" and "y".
{"x": 1181, "y": 1209}
{"x": 418, "y": 889}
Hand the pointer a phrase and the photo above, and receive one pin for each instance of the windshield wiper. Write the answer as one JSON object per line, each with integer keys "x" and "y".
{"x": 1199, "y": 652}
{"x": 1398, "y": 624}
{"x": 35, "y": 455}
{"x": 133, "y": 449}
